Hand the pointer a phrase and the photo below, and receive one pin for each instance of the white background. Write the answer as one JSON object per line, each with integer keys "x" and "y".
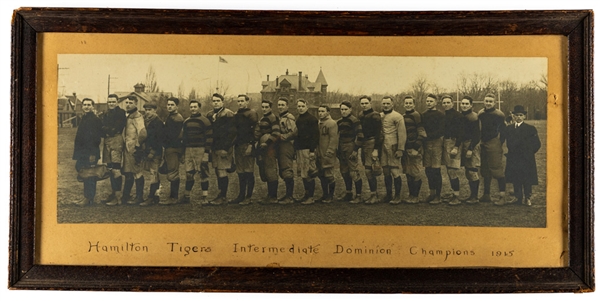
{"x": 5, "y": 17}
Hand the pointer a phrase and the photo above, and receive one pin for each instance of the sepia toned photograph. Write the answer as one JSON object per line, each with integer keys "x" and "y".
{"x": 298, "y": 139}
{"x": 344, "y": 156}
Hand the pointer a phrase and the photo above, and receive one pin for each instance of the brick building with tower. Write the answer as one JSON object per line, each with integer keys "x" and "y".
{"x": 294, "y": 86}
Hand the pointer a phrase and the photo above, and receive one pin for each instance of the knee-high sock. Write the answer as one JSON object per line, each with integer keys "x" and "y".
{"x": 127, "y": 187}
{"x": 188, "y": 186}
{"x": 204, "y": 185}
{"x": 139, "y": 188}
{"x": 487, "y": 185}
{"x": 272, "y": 188}
{"x": 502, "y": 184}
{"x": 89, "y": 188}
{"x": 223, "y": 185}
{"x": 309, "y": 187}
{"x": 289, "y": 187}
{"x": 429, "y": 172}
{"x": 417, "y": 187}
{"x": 116, "y": 183}
{"x": 410, "y": 182}
{"x": 358, "y": 186}
{"x": 347, "y": 181}
{"x": 175, "y": 189}
{"x": 324, "y": 186}
{"x": 474, "y": 186}
{"x": 331, "y": 188}
{"x": 153, "y": 189}
{"x": 455, "y": 184}
{"x": 438, "y": 181}
{"x": 249, "y": 184}
{"x": 388, "y": 184}
{"x": 372, "y": 184}
{"x": 397, "y": 186}
{"x": 242, "y": 181}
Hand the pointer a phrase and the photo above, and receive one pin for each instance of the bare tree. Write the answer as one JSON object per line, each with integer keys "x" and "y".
{"x": 477, "y": 85}
{"x": 180, "y": 90}
{"x": 543, "y": 83}
{"x": 420, "y": 87}
{"x": 151, "y": 84}
{"x": 437, "y": 90}
{"x": 223, "y": 88}
{"x": 192, "y": 94}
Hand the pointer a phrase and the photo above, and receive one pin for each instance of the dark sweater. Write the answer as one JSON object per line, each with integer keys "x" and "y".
{"x": 454, "y": 126}
{"x": 471, "y": 128}
{"x": 492, "y": 124}
{"x": 154, "y": 130}
{"x": 245, "y": 122}
{"x": 433, "y": 123}
{"x": 113, "y": 122}
{"x": 414, "y": 130}
{"x": 308, "y": 132}
{"x": 371, "y": 126}
{"x": 223, "y": 128}
{"x": 172, "y": 133}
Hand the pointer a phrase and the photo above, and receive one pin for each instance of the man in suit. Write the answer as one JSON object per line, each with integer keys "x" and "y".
{"x": 522, "y": 142}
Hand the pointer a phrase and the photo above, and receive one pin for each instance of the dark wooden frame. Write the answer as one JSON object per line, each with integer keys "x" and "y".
{"x": 577, "y": 26}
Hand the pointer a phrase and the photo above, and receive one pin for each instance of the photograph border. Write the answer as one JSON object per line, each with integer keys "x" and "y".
{"x": 24, "y": 273}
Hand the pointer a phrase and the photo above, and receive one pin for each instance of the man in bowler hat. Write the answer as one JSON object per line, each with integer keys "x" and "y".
{"x": 522, "y": 142}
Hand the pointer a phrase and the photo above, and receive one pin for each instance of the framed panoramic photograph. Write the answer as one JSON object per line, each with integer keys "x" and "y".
{"x": 276, "y": 151}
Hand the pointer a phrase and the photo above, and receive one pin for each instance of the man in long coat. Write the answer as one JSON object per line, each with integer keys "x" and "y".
{"x": 87, "y": 148}
{"x": 134, "y": 135}
{"x": 522, "y": 142}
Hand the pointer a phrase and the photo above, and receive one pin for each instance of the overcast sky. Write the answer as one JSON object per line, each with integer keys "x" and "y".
{"x": 87, "y": 74}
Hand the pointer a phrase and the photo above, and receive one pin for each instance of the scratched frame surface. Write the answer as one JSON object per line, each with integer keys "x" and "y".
{"x": 577, "y": 276}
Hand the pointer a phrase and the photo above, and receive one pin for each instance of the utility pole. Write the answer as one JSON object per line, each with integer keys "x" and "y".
{"x": 58, "y": 68}
{"x": 109, "y": 78}
{"x": 457, "y": 100}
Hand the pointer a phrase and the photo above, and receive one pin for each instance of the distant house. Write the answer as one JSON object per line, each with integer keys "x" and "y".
{"x": 139, "y": 91}
{"x": 294, "y": 86}
{"x": 67, "y": 110}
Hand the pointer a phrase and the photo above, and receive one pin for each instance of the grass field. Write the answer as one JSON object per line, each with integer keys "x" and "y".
{"x": 481, "y": 215}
